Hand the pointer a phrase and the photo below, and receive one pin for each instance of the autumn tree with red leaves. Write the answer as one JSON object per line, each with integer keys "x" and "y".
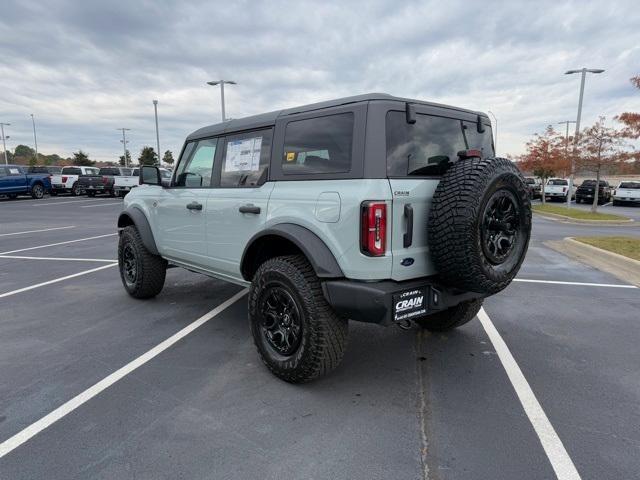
{"x": 631, "y": 121}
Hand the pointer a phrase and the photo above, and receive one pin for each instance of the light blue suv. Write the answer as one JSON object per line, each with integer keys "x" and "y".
{"x": 370, "y": 208}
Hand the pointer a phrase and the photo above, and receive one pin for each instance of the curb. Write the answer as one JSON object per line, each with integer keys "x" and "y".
{"x": 564, "y": 219}
{"x": 625, "y": 268}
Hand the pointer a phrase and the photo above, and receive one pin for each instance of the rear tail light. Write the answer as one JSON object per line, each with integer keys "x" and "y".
{"x": 564, "y": 189}
{"x": 105, "y": 180}
{"x": 373, "y": 225}
{"x": 64, "y": 179}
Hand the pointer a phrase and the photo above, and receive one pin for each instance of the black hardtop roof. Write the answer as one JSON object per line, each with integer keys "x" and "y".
{"x": 269, "y": 118}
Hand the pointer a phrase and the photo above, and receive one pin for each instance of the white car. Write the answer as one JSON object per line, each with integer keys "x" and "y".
{"x": 67, "y": 179}
{"x": 627, "y": 192}
{"x": 556, "y": 189}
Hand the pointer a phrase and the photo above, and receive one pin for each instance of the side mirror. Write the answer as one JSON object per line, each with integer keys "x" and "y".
{"x": 150, "y": 175}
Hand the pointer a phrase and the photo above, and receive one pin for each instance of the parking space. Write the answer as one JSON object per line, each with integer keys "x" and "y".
{"x": 403, "y": 404}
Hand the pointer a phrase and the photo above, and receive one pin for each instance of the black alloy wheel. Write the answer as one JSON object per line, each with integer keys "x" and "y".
{"x": 499, "y": 228}
{"x": 129, "y": 264}
{"x": 281, "y": 323}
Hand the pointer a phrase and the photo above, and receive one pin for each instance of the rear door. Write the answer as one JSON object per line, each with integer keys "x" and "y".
{"x": 417, "y": 155}
{"x": 237, "y": 205}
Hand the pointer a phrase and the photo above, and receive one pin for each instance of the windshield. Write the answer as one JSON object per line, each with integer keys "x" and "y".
{"x": 557, "y": 182}
{"x": 529, "y": 180}
{"x": 110, "y": 171}
{"x": 631, "y": 185}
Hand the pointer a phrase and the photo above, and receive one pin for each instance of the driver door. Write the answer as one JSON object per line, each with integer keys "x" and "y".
{"x": 181, "y": 209}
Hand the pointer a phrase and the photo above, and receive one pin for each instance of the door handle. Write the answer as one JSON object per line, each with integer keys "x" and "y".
{"x": 194, "y": 206}
{"x": 407, "y": 239}
{"x": 249, "y": 209}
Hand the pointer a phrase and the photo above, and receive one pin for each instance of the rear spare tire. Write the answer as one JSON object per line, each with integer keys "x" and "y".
{"x": 479, "y": 224}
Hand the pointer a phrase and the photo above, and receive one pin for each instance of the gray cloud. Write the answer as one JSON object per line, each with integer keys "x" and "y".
{"x": 86, "y": 68}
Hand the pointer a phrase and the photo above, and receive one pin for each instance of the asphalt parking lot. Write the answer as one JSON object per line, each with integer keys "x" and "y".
{"x": 547, "y": 385}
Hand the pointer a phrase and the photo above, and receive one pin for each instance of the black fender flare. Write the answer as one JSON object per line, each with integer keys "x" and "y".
{"x": 322, "y": 260}
{"x": 135, "y": 216}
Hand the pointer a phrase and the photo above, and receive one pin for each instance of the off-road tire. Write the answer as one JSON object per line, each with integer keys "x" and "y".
{"x": 451, "y": 318}
{"x": 457, "y": 230}
{"x": 151, "y": 269}
{"x": 324, "y": 334}
{"x": 37, "y": 191}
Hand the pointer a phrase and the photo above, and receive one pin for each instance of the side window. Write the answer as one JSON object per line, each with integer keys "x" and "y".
{"x": 318, "y": 145}
{"x": 246, "y": 158}
{"x": 14, "y": 171}
{"x": 196, "y": 166}
{"x": 3, "y": 172}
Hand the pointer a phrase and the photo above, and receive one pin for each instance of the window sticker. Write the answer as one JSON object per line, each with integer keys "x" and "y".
{"x": 243, "y": 155}
{"x": 291, "y": 156}
{"x": 14, "y": 171}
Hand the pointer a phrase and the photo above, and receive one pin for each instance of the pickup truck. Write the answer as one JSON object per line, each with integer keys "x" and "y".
{"x": 67, "y": 179}
{"x": 586, "y": 191}
{"x": 535, "y": 187}
{"x": 556, "y": 189}
{"x": 103, "y": 181}
{"x": 123, "y": 185}
{"x": 14, "y": 181}
{"x": 626, "y": 192}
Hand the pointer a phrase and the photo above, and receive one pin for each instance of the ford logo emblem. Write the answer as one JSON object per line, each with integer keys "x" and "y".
{"x": 407, "y": 262}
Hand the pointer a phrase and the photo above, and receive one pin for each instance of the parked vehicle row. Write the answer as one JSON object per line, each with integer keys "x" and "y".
{"x": 626, "y": 193}
{"x": 67, "y": 180}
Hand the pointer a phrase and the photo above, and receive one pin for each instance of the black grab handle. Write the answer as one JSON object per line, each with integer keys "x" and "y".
{"x": 407, "y": 240}
{"x": 249, "y": 209}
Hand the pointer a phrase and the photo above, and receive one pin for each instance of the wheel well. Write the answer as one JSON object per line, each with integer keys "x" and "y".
{"x": 264, "y": 248}
{"x": 124, "y": 221}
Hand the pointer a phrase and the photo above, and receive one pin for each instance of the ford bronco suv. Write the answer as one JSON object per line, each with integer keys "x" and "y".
{"x": 370, "y": 208}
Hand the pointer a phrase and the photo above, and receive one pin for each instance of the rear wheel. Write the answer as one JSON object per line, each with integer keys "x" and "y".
{"x": 75, "y": 191}
{"x": 142, "y": 273}
{"x": 298, "y": 335}
{"x": 479, "y": 224}
{"x": 451, "y": 317}
{"x": 37, "y": 191}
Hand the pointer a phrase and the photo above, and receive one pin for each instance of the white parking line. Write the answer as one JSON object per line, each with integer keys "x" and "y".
{"x": 556, "y": 453}
{"x": 37, "y": 231}
{"x": 582, "y": 284}
{"x": 66, "y": 201}
{"x": 101, "y": 205}
{"x": 55, "y": 280}
{"x": 58, "y": 243}
{"x": 66, "y": 259}
{"x": 49, "y": 419}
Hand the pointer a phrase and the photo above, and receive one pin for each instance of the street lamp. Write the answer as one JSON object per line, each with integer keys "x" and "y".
{"x": 584, "y": 72}
{"x": 155, "y": 109}
{"x": 566, "y": 137}
{"x": 4, "y": 144}
{"x": 124, "y": 144}
{"x": 221, "y": 83}
{"x": 495, "y": 142}
{"x": 35, "y": 139}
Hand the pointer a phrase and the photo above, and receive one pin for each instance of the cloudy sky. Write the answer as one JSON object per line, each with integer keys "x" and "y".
{"x": 86, "y": 68}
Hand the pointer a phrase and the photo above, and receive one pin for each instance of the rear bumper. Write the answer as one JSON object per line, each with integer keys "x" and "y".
{"x": 626, "y": 199}
{"x": 387, "y": 302}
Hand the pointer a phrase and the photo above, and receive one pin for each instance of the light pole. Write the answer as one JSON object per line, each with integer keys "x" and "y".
{"x": 35, "y": 139}
{"x": 566, "y": 137}
{"x": 583, "y": 71}
{"x": 221, "y": 83}
{"x": 155, "y": 109}
{"x": 124, "y": 144}
{"x": 495, "y": 142}
{"x": 4, "y": 139}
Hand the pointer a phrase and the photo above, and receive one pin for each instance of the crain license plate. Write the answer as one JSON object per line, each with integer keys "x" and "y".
{"x": 409, "y": 304}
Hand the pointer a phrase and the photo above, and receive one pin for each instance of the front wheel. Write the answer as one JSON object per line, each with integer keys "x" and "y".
{"x": 451, "y": 317}
{"x": 298, "y": 335}
{"x": 142, "y": 273}
{"x": 37, "y": 191}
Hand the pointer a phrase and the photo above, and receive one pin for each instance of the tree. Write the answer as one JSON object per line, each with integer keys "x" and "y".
{"x": 545, "y": 156}
{"x": 121, "y": 159}
{"x": 631, "y": 121}
{"x": 82, "y": 159}
{"x": 599, "y": 148}
{"x": 24, "y": 151}
{"x": 168, "y": 157}
{"x": 147, "y": 156}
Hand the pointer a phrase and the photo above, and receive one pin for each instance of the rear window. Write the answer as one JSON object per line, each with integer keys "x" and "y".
{"x": 632, "y": 185}
{"x": 72, "y": 171}
{"x": 318, "y": 145}
{"x": 38, "y": 169}
{"x": 557, "y": 182}
{"x": 427, "y": 146}
{"x": 591, "y": 183}
{"x": 109, "y": 171}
